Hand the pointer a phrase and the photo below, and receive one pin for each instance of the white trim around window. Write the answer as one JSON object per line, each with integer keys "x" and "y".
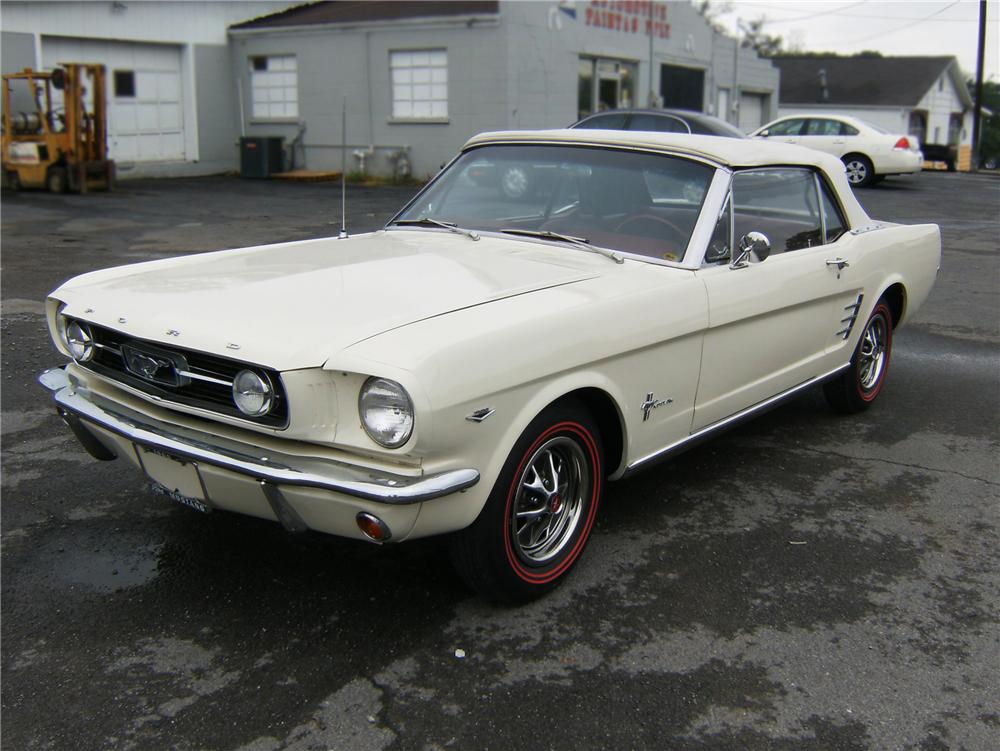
{"x": 419, "y": 85}
{"x": 274, "y": 85}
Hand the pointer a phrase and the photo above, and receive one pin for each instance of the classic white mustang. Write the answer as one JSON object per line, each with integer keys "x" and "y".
{"x": 485, "y": 362}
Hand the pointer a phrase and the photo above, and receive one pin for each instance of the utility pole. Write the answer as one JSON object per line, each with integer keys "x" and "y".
{"x": 652, "y": 91}
{"x": 977, "y": 112}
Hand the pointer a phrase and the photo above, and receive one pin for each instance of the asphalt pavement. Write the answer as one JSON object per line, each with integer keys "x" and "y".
{"x": 805, "y": 581}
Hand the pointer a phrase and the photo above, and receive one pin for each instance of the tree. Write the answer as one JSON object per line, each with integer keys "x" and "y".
{"x": 711, "y": 11}
{"x": 764, "y": 44}
{"x": 989, "y": 126}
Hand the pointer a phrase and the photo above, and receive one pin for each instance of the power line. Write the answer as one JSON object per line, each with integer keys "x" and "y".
{"x": 840, "y": 12}
{"x": 817, "y": 15}
{"x": 900, "y": 28}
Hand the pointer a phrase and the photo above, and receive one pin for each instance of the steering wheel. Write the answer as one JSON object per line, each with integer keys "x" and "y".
{"x": 642, "y": 216}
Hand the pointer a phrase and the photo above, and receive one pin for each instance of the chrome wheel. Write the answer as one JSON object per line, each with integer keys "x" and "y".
{"x": 549, "y": 500}
{"x": 856, "y": 172}
{"x": 872, "y": 353}
{"x": 859, "y": 170}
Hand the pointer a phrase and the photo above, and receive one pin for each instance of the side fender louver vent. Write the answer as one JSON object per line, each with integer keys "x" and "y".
{"x": 852, "y": 315}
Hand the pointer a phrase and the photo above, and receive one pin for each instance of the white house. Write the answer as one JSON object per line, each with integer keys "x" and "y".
{"x": 921, "y": 96}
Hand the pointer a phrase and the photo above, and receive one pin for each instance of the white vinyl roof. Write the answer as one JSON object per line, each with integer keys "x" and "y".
{"x": 730, "y": 152}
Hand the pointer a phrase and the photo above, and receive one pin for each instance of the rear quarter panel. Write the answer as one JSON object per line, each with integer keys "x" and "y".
{"x": 909, "y": 255}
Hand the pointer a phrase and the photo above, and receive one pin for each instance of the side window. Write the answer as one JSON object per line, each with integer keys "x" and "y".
{"x": 615, "y": 121}
{"x": 819, "y": 127}
{"x": 658, "y": 123}
{"x": 833, "y": 219}
{"x": 786, "y": 128}
{"x": 848, "y": 130}
{"x": 781, "y": 203}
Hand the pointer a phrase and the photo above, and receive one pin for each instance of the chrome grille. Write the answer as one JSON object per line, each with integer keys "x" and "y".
{"x": 205, "y": 381}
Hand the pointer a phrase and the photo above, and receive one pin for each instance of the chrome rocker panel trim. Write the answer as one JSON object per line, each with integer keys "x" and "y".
{"x": 710, "y": 430}
{"x": 276, "y": 469}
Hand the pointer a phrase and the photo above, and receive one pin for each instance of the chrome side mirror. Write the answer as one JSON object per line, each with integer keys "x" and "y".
{"x": 752, "y": 243}
{"x": 764, "y": 133}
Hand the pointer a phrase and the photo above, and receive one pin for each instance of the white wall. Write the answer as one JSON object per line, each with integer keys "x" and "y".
{"x": 175, "y": 21}
{"x": 940, "y": 102}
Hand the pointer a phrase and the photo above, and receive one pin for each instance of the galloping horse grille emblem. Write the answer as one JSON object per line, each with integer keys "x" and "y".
{"x": 155, "y": 365}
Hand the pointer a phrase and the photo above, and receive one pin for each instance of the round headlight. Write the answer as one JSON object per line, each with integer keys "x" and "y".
{"x": 78, "y": 341}
{"x": 386, "y": 412}
{"x": 252, "y": 393}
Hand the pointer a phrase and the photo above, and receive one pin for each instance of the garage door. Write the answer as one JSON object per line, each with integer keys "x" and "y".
{"x": 145, "y": 113}
{"x": 751, "y": 111}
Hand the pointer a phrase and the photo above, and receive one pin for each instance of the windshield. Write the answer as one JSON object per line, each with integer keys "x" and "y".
{"x": 633, "y": 202}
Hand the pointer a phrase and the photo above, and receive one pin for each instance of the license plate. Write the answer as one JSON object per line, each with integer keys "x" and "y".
{"x": 179, "y": 497}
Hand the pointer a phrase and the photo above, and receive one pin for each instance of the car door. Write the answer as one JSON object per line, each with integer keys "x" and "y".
{"x": 824, "y": 134}
{"x": 777, "y": 323}
{"x": 785, "y": 131}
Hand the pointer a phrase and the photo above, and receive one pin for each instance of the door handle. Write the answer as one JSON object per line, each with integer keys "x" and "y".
{"x": 840, "y": 263}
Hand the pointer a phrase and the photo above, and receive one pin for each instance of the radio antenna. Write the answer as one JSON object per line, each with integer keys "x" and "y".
{"x": 343, "y": 174}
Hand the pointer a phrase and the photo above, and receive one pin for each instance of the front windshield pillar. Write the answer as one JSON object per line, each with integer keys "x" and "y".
{"x": 715, "y": 201}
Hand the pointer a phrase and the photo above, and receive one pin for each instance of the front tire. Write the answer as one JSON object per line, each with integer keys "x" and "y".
{"x": 538, "y": 518}
{"x": 56, "y": 181}
{"x": 859, "y": 385}
{"x": 860, "y": 172}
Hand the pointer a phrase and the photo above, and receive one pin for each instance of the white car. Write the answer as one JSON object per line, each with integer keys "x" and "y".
{"x": 483, "y": 364}
{"x": 869, "y": 153}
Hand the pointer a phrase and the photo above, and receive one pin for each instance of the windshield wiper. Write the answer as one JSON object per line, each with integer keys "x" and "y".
{"x": 581, "y": 242}
{"x": 428, "y": 222}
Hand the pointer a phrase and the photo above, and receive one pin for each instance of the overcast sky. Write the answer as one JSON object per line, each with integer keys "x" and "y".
{"x": 910, "y": 27}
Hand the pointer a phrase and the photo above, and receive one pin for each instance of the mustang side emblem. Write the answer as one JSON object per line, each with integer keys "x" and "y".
{"x": 650, "y": 404}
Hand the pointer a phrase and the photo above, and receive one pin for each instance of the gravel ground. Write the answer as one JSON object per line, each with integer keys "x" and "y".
{"x": 806, "y": 581}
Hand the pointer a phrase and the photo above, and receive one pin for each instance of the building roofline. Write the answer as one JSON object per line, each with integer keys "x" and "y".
{"x": 354, "y": 13}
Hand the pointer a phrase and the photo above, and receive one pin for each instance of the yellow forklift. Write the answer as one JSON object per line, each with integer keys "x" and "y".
{"x": 60, "y": 141}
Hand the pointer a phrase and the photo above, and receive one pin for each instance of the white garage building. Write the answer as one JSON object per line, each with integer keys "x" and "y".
{"x": 171, "y": 92}
{"x": 187, "y": 79}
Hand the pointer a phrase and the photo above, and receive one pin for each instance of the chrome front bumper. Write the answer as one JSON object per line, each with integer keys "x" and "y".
{"x": 79, "y": 408}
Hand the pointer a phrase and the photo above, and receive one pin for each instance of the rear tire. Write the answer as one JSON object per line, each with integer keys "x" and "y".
{"x": 859, "y": 385}
{"x": 538, "y": 518}
{"x": 860, "y": 172}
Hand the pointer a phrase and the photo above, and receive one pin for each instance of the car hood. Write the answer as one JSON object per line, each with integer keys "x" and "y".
{"x": 293, "y": 305}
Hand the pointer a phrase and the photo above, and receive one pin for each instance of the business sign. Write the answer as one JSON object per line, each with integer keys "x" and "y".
{"x": 629, "y": 17}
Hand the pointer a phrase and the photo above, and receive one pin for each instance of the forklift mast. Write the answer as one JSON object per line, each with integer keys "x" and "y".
{"x": 59, "y": 145}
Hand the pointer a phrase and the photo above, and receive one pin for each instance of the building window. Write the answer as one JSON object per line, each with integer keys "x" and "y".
{"x": 419, "y": 84}
{"x": 604, "y": 85}
{"x": 124, "y": 83}
{"x": 274, "y": 83}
